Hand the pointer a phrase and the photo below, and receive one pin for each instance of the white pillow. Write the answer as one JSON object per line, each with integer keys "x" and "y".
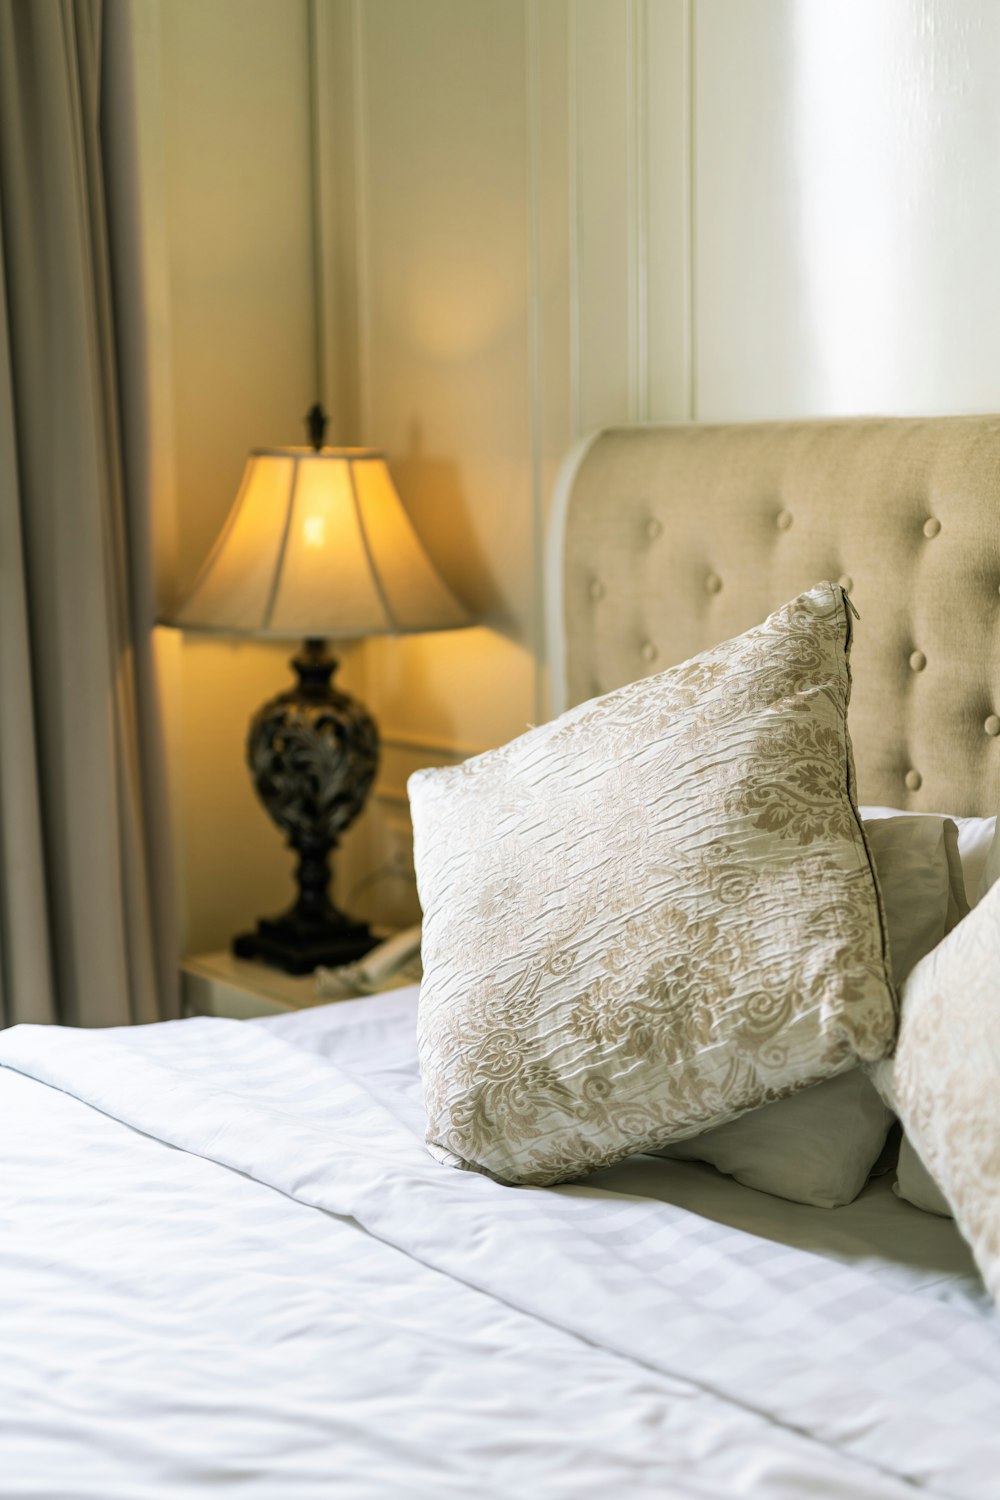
{"x": 816, "y": 1147}
{"x": 654, "y": 913}
{"x": 975, "y": 838}
{"x": 916, "y": 1185}
{"x": 922, "y": 882}
{"x": 991, "y": 868}
{"x": 979, "y": 852}
{"x": 819, "y": 1146}
{"x": 944, "y": 1080}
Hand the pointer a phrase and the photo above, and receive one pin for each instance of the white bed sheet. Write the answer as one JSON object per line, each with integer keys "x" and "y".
{"x": 909, "y": 1249}
{"x": 300, "y": 1302}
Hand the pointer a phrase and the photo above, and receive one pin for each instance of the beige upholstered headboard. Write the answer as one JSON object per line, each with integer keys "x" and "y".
{"x": 666, "y": 540}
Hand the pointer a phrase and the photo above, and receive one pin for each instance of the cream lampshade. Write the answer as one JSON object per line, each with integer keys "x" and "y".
{"x": 317, "y": 544}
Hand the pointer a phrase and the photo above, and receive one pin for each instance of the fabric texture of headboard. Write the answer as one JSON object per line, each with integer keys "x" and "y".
{"x": 667, "y": 540}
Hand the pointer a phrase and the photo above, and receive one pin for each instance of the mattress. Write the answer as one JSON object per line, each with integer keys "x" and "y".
{"x": 230, "y": 1266}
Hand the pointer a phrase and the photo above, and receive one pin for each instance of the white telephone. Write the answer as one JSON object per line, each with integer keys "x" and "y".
{"x": 388, "y": 967}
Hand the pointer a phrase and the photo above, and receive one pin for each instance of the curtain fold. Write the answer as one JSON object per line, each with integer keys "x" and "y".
{"x": 85, "y": 923}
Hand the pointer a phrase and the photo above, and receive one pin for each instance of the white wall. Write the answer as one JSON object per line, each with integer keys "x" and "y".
{"x": 848, "y": 206}
{"x": 578, "y": 212}
{"x": 541, "y": 216}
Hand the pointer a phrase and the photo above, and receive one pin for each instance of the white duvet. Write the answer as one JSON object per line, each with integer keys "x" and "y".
{"x": 228, "y": 1266}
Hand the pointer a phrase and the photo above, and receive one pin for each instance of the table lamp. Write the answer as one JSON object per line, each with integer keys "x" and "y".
{"x": 317, "y": 545}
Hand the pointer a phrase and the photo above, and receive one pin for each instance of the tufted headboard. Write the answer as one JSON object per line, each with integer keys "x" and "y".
{"x": 666, "y": 540}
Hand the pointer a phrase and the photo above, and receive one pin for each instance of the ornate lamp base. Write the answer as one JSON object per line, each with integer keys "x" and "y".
{"x": 313, "y": 931}
{"x": 312, "y": 753}
{"x": 298, "y": 950}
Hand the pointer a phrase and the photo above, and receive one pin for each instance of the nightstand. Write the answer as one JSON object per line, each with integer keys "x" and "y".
{"x": 217, "y": 984}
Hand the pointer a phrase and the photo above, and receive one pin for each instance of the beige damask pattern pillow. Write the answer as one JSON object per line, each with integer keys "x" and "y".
{"x": 819, "y": 1145}
{"x": 652, "y": 914}
{"x": 944, "y": 1080}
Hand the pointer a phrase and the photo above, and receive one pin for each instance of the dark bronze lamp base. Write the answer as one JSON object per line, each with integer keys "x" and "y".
{"x": 299, "y": 948}
{"x": 312, "y": 752}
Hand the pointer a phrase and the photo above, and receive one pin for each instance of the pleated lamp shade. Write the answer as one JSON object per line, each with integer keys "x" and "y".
{"x": 318, "y": 544}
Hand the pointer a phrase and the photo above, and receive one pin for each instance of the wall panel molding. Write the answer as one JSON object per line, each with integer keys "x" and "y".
{"x": 689, "y": 25}
{"x": 605, "y": 192}
{"x": 404, "y": 739}
{"x": 637, "y": 176}
{"x": 335, "y": 212}
{"x": 362, "y": 220}
{"x": 575, "y": 227}
{"x": 533, "y": 171}
{"x": 551, "y": 334}
{"x": 631, "y": 224}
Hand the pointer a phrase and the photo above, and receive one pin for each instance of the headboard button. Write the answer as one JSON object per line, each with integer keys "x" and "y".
{"x": 713, "y": 583}
{"x": 783, "y": 520}
{"x": 931, "y": 526}
{"x": 654, "y": 528}
{"x": 648, "y": 651}
{"x": 596, "y": 589}
{"x": 914, "y": 781}
{"x": 992, "y": 726}
{"x": 918, "y": 661}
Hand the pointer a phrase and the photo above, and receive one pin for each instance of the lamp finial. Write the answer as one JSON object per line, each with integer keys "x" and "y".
{"x": 316, "y": 424}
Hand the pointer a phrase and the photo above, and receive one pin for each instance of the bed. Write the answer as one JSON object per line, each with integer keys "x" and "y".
{"x": 230, "y": 1265}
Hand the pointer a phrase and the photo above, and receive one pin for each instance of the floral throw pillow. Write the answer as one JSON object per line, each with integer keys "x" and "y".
{"x": 652, "y": 914}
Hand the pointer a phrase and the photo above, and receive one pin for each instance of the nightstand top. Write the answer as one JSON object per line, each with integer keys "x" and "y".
{"x": 218, "y": 984}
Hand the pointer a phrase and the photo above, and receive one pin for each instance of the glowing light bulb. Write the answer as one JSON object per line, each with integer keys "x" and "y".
{"x": 314, "y": 531}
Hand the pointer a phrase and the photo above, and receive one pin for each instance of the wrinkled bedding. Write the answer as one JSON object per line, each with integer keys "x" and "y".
{"x": 230, "y": 1266}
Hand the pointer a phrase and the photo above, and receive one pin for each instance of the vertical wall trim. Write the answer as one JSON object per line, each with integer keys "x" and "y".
{"x": 642, "y": 167}
{"x": 575, "y": 222}
{"x": 362, "y": 237}
{"x": 533, "y": 102}
{"x": 335, "y": 214}
{"x": 637, "y": 178}
{"x": 318, "y": 176}
{"x": 153, "y": 213}
{"x": 691, "y": 208}
{"x": 147, "y": 48}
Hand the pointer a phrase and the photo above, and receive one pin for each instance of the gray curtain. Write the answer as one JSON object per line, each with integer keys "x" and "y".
{"x": 85, "y": 910}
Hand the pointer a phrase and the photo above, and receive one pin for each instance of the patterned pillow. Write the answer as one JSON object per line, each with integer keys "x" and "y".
{"x": 819, "y": 1145}
{"x": 652, "y": 914}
